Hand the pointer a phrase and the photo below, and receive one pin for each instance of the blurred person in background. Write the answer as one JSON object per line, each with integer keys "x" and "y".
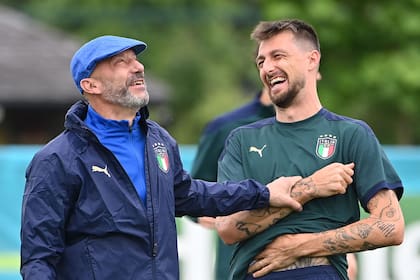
{"x": 302, "y": 137}
{"x": 100, "y": 199}
{"x": 208, "y": 151}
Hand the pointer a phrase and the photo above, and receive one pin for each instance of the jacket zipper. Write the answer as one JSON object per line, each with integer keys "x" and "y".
{"x": 154, "y": 249}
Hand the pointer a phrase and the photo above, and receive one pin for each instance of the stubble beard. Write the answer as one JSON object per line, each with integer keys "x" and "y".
{"x": 286, "y": 99}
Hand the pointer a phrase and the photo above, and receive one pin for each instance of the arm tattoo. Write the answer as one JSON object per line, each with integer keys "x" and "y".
{"x": 248, "y": 228}
{"x": 362, "y": 230}
{"x": 264, "y": 212}
{"x": 383, "y": 223}
{"x": 386, "y": 228}
{"x": 388, "y": 214}
{"x": 304, "y": 190}
{"x": 252, "y": 228}
{"x": 303, "y": 187}
{"x": 368, "y": 246}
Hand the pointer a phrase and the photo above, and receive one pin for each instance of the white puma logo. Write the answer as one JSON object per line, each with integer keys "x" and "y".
{"x": 255, "y": 149}
{"x": 100, "y": 169}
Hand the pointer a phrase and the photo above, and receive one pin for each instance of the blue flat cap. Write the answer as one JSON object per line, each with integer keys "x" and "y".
{"x": 87, "y": 57}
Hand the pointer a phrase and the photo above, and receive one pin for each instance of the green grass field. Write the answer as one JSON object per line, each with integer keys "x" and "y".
{"x": 9, "y": 262}
{"x": 410, "y": 206}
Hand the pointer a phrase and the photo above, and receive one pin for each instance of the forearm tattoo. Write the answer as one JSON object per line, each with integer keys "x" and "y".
{"x": 302, "y": 191}
{"x": 303, "y": 188}
{"x": 369, "y": 232}
{"x": 269, "y": 216}
{"x": 249, "y": 229}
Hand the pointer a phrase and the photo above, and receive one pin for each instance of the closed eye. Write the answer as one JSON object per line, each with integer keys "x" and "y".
{"x": 260, "y": 63}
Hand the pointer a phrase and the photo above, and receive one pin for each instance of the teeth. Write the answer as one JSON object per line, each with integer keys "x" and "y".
{"x": 138, "y": 82}
{"x": 277, "y": 80}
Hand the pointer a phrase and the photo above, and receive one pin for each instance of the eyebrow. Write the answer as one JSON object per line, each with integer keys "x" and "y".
{"x": 272, "y": 53}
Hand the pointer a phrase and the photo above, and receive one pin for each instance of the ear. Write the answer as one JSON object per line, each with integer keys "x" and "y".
{"x": 90, "y": 85}
{"x": 314, "y": 59}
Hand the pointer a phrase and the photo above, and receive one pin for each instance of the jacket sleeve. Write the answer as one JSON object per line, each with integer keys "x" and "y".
{"x": 195, "y": 197}
{"x": 44, "y": 208}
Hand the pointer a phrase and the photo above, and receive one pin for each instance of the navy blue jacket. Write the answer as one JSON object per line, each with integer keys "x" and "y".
{"x": 82, "y": 217}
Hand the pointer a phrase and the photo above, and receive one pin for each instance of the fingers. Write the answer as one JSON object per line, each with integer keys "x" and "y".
{"x": 280, "y": 190}
{"x": 293, "y": 180}
{"x": 296, "y": 206}
{"x": 259, "y": 268}
{"x": 350, "y": 165}
{"x": 347, "y": 176}
{"x": 333, "y": 179}
{"x": 349, "y": 169}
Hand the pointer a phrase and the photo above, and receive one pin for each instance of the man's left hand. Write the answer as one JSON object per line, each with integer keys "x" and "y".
{"x": 277, "y": 255}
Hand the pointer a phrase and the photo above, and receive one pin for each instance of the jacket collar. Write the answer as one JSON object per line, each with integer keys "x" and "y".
{"x": 77, "y": 113}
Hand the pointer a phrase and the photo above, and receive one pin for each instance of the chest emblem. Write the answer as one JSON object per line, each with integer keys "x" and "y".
{"x": 161, "y": 156}
{"x": 104, "y": 170}
{"x": 259, "y": 151}
{"x": 326, "y": 146}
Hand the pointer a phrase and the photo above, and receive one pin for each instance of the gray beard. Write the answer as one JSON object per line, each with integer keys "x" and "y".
{"x": 123, "y": 97}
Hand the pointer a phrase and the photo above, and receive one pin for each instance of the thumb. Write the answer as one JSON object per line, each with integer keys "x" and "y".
{"x": 294, "y": 180}
{"x": 296, "y": 206}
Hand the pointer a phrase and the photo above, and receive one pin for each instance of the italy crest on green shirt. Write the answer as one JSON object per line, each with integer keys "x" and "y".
{"x": 325, "y": 146}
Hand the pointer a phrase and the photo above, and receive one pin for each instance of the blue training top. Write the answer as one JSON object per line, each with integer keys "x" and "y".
{"x": 115, "y": 135}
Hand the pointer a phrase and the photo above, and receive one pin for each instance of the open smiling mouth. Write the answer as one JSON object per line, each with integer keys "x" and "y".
{"x": 138, "y": 82}
{"x": 276, "y": 81}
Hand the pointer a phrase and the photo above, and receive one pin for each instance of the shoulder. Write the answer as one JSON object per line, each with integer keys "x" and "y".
{"x": 56, "y": 159}
{"x": 351, "y": 123}
{"x": 233, "y": 118}
{"x": 267, "y": 122}
{"x": 254, "y": 129}
{"x": 61, "y": 146}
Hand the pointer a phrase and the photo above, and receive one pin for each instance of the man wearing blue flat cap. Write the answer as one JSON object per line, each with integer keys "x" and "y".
{"x": 101, "y": 198}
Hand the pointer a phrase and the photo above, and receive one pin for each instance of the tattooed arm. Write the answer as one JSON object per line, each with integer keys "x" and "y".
{"x": 384, "y": 227}
{"x": 331, "y": 180}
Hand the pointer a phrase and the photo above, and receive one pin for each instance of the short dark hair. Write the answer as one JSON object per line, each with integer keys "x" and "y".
{"x": 302, "y": 30}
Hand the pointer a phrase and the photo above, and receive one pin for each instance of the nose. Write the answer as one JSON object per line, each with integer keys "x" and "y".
{"x": 138, "y": 66}
{"x": 268, "y": 65}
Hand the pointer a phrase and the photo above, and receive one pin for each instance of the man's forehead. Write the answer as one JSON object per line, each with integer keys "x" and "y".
{"x": 282, "y": 42}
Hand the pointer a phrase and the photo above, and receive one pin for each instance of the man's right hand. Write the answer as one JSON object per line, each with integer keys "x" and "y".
{"x": 280, "y": 190}
{"x": 332, "y": 179}
{"x": 328, "y": 181}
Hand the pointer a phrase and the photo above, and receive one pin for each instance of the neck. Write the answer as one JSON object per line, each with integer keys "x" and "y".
{"x": 114, "y": 112}
{"x": 305, "y": 105}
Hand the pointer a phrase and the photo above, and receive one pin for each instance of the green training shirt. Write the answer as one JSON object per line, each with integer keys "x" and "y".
{"x": 268, "y": 149}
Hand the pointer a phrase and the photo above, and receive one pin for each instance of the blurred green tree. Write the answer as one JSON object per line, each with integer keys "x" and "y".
{"x": 370, "y": 58}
